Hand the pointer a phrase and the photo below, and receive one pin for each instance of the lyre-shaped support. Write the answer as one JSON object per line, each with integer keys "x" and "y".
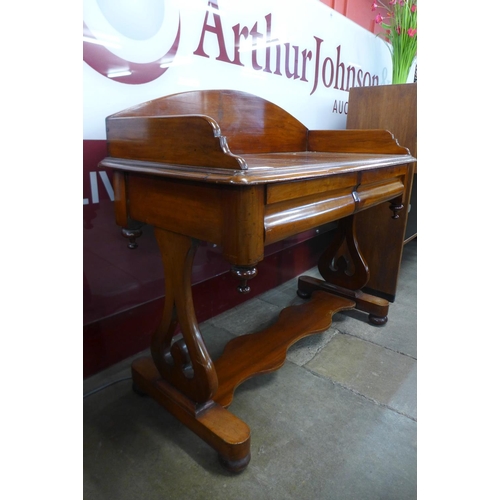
{"x": 345, "y": 273}
{"x": 184, "y": 363}
{"x": 342, "y": 263}
{"x": 181, "y": 375}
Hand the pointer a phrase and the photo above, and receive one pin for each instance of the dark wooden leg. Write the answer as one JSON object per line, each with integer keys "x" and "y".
{"x": 181, "y": 375}
{"x": 345, "y": 273}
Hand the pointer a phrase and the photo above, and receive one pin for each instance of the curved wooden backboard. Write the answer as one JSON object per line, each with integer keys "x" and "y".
{"x": 249, "y": 123}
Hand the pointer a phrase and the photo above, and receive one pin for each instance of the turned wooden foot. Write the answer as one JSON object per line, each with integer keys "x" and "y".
{"x": 234, "y": 465}
{"x": 377, "y": 320}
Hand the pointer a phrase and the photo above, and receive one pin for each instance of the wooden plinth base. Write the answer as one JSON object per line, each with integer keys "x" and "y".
{"x": 243, "y": 358}
{"x": 218, "y": 427}
{"x": 376, "y": 307}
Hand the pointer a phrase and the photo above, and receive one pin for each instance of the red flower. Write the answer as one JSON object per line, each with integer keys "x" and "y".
{"x": 374, "y": 6}
{"x": 379, "y": 19}
{"x": 414, "y": 7}
{"x": 412, "y": 32}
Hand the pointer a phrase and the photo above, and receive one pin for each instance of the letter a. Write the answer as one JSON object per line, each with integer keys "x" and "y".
{"x": 217, "y": 29}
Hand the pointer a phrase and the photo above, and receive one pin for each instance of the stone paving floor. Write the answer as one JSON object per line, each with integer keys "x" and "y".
{"x": 337, "y": 421}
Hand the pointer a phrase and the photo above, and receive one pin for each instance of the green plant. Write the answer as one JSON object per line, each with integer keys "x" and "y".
{"x": 399, "y": 19}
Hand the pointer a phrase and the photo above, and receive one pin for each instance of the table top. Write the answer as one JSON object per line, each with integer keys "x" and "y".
{"x": 233, "y": 137}
{"x": 240, "y": 172}
{"x": 267, "y": 167}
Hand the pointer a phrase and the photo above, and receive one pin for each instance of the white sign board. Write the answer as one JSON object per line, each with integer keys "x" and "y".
{"x": 300, "y": 55}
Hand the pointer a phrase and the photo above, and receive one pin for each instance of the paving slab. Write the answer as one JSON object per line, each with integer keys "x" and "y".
{"x": 307, "y": 348}
{"x": 248, "y": 317}
{"x": 385, "y": 376}
{"x": 310, "y": 439}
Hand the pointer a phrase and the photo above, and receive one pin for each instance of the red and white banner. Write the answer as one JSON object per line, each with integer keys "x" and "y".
{"x": 303, "y": 56}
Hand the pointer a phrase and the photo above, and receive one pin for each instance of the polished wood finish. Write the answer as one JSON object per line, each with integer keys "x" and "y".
{"x": 249, "y": 124}
{"x": 218, "y": 427}
{"x": 265, "y": 351}
{"x": 391, "y": 107}
{"x": 238, "y": 171}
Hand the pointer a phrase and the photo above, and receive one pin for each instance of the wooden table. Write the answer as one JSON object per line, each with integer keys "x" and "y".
{"x": 235, "y": 170}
